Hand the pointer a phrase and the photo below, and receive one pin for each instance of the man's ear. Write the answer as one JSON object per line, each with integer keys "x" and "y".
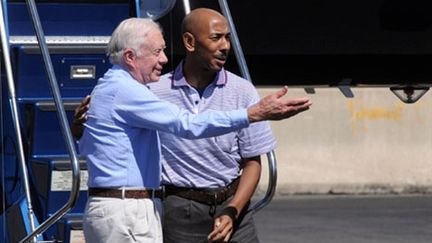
{"x": 129, "y": 56}
{"x": 189, "y": 41}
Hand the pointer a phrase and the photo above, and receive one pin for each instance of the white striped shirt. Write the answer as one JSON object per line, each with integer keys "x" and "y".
{"x": 210, "y": 162}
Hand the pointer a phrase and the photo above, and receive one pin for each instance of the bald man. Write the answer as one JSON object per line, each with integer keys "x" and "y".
{"x": 206, "y": 198}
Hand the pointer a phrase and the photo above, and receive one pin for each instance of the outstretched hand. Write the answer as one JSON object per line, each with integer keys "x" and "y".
{"x": 80, "y": 117}
{"x": 274, "y": 107}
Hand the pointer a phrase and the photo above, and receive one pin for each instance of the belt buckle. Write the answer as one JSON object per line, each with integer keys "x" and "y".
{"x": 212, "y": 198}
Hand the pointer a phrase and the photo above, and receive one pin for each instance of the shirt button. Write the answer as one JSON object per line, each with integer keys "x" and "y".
{"x": 196, "y": 102}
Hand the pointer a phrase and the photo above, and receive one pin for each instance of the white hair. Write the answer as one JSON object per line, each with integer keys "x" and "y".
{"x": 130, "y": 33}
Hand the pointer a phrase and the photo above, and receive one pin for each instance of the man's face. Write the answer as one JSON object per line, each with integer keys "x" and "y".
{"x": 149, "y": 63}
{"x": 213, "y": 44}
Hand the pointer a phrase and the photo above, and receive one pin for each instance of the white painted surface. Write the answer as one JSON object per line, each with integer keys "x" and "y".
{"x": 372, "y": 143}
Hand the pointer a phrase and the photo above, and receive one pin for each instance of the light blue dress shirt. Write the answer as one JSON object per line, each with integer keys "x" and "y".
{"x": 121, "y": 142}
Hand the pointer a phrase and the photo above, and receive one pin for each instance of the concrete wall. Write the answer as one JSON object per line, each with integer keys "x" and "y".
{"x": 372, "y": 143}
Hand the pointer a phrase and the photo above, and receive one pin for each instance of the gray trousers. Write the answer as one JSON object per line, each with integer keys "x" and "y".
{"x": 187, "y": 221}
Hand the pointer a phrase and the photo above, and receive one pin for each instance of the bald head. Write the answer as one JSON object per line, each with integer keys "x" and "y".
{"x": 206, "y": 38}
{"x": 198, "y": 20}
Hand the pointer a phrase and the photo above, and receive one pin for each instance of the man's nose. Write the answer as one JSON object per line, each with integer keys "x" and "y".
{"x": 226, "y": 44}
{"x": 163, "y": 58}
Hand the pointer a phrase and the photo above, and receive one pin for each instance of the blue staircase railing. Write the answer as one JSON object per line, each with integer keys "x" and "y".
{"x": 15, "y": 115}
{"x": 63, "y": 123}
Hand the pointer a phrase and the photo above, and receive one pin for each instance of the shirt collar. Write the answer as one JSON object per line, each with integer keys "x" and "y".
{"x": 178, "y": 78}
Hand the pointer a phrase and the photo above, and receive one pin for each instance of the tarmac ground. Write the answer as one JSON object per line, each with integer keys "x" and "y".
{"x": 346, "y": 219}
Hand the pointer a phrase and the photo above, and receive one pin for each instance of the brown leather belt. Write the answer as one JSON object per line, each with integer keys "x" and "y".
{"x": 206, "y": 196}
{"x": 118, "y": 193}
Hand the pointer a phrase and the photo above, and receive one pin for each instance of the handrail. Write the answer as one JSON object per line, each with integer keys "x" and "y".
{"x": 245, "y": 73}
{"x": 271, "y": 187}
{"x": 238, "y": 51}
{"x": 5, "y": 19}
{"x": 64, "y": 124}
{"x": 15, "y": 115}
{"x": 186, "y": 6}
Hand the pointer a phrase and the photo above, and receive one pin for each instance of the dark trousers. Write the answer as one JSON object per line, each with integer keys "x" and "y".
{"x": 187, "y": 221}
